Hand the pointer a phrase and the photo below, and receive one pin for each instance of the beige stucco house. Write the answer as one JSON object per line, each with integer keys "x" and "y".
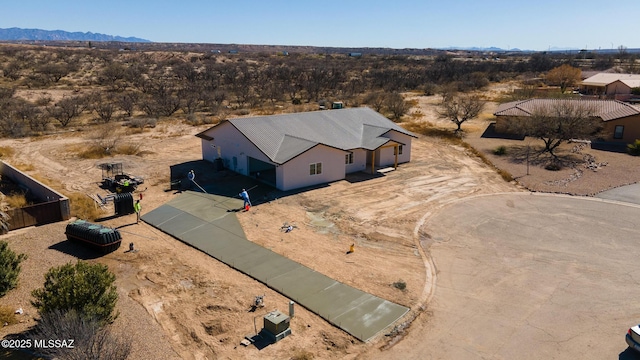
{"x": 621, "y": 120}
{"x": 610, "y": 85}
{"x": 291, "y": 151}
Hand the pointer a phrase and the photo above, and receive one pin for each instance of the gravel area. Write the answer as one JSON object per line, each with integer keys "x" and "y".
{"x": 584, "y": 171}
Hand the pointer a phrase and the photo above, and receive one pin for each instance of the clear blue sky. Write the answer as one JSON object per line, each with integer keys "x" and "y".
{"x": 524, "y": 24}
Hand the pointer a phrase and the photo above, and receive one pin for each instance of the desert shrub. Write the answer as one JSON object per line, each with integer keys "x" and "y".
{"x": 634, "y": 149}
{"x": 16, "y": 201}
{"x": 430, "y": 89}
{"x": 6, "y": 152}
{"x": 94, "y": 151}
{"x": 91, "y": 339}
{"x": 86, "y": 288}
{"x": 195, "y": 120}
{"x": 127, "y": 149}
{"x": 141, "y": 123}
{"x": 83, "y": 207}
{"x": 400, "y": 285}
{"x": 7, "y": 315}
{"x": 9, "y": 267}
{"x": 500, "y": 150}
{"x": 242, "y": 112}
{"x": 506, "y": 176}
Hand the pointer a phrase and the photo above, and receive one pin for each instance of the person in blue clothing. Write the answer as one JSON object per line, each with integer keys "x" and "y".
{"x": 192, "y": 177}
{"x": 245, "y": 196}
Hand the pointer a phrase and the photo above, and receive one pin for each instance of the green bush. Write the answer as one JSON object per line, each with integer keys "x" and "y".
{"x": 9, "y": 268}
{"x": 500, "y": 150}
{"x": 83, "y": 287}
{"x": 634, "y": 149}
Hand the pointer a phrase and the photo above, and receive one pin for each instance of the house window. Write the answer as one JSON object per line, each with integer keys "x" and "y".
{"x": 617, "y": 133}
{"x": 348, "y": 158}
{"x": 315, "y": 169}
{"x": 398, "y": 150}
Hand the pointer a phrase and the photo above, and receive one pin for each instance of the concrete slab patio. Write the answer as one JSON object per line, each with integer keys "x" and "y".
{"x": 209, "y": 223}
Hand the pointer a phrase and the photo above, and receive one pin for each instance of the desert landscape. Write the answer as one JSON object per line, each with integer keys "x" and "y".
{"x": 178, "y": 303}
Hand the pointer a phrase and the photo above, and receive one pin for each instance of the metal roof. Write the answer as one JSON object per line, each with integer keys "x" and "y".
{"x": 283, "y": 137}
{"x": 604, "y": 109}
{"x": 604, "y": 79}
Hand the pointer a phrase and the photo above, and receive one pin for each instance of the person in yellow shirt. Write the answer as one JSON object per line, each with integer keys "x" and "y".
{"x": 137, "y": 207}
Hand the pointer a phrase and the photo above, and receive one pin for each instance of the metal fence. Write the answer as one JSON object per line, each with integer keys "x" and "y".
{"x": 39, "y": 214}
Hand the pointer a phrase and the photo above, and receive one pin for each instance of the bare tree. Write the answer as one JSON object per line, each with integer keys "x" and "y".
{"x": 113, "y": 75}
{"x": 558, "y": 122}
{"x": 460, "y": 108}
{"x": 376, "y": 100}
{"x": 91, "y": 341}
{"x": 67, "y": 109}
{"x": 104, "y": 106}
{"x": 564, "y": 76}
{"x": 396, "y": 105}
{"x": 54, "y": 72}
{"x": 127, "y": 102}
{"x": 33, "y": 115}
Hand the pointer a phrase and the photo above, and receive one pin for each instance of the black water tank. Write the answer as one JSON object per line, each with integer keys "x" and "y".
{"x": 123, "y": 203}
{"x": 96, "y": 236}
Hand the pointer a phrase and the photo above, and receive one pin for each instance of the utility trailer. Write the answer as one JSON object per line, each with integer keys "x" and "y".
{"x": 114, "y": 178}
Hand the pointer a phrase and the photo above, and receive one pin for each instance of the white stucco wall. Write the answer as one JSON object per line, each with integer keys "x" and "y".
{"x": 385, "y": 156}
{"x": 406, "y": 149}
{"x": 359, "y": 161}
{"x": 228, "y": 143}
{"x": 295, "y": 173}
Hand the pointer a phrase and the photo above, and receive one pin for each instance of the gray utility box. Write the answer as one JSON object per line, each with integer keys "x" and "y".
{"x": 276, "y": 322}
{"x": 276, "y": 326}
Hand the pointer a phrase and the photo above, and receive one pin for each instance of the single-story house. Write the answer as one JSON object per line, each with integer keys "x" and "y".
{"x": 295, "y": 150}
{"x": 611, "y": 85}
{"x": 621, "y": 120}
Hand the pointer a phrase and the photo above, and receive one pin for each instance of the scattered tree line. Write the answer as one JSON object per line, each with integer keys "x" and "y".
{"x": 115, "y": 85}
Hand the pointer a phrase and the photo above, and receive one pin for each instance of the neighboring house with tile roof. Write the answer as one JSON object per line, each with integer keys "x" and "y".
{"x": 295, "y": 150}
{"x": 610, "y": 85}
{"x": 621, "y": 120}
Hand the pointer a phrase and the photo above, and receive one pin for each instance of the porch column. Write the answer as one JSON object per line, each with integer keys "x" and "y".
{"x": 395, "y": 151}
{"x": 373, "y": 165}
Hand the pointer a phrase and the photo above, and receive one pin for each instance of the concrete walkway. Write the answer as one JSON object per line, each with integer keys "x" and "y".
{"x": 628, "y": 193}
{"x": 208, "y": 223}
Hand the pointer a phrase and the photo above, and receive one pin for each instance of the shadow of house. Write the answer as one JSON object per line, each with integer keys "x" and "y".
{"x": 227, "y": 183}
{"x": 51, "y": 206}
{"x": 491, "y": 133}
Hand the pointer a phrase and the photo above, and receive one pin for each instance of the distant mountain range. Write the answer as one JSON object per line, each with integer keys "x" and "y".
{"x": 18, "y": 34}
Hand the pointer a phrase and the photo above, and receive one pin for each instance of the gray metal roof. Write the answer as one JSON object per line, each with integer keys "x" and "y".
{"x": 283, "y": 137}
{"x": 604, "y": 109}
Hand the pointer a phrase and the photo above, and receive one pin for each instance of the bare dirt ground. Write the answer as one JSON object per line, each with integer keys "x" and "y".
{"x": 176, "y": 302}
